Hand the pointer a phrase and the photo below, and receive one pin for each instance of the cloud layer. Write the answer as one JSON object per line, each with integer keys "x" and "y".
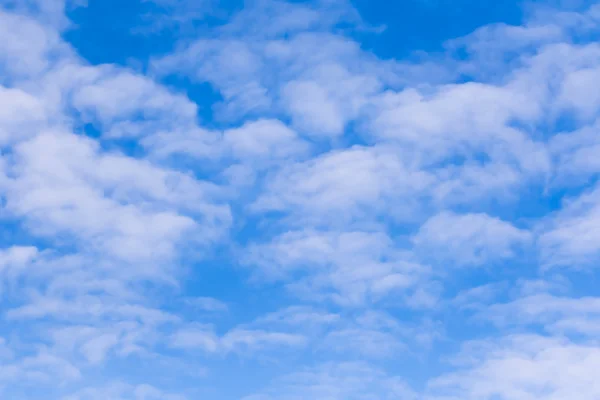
{"x": 270, "y": 210}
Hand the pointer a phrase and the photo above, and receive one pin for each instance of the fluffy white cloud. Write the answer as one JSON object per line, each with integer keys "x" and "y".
{"x": 574, "y": 153}
{"x": 345, "y": 186}
{"x": 63, "y": 184}
{"x": 532, "y": 365}
{"x": 348, "y": 267}
{"x": 29, "y": 46}
{"x": 115, "y": 98}
{"x": 571, "y": 237}
{"x": 524, "y": 367}
{"x": 264, "y": 139}
{"x": 322, "y": 81}
{"x": 468, "y": 240}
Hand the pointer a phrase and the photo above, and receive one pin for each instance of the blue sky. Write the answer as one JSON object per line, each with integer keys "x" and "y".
{"x": 289, "y": 200}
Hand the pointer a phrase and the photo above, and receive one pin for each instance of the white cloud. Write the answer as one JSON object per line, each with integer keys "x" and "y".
{"x": 14, "y": 263}
{"x": 571, "y": 238}
{"x": 347, "y": 381}
{"x": 348, "y": 267}
{"x": 478, "y": 297}
{"x": 20, "y": 115}
{"x": 264, "y": 139}
{"x": 75, "y": 189}
{"x": 312, "y": 109}
{"x": 114, "y": 98}
{"x": 236, "y": 340}
{"x": 207, "y": 304}
{"x": 177, "y": 15}
{"x": 196, "y": 337}
{"x": 298, "y": 316}
{"x": 529, "y": 364}
{"x": 280, "y": 66}
{"x": 29, "y": 47}
{"x": 346, "y": 185}
{"x": 229, "y": 65}
{"x": 17, "y": 256}
{"x": 556, "y": 314}
{"x": 49, "y": 12}
{"x": 319, "y": 107}
{"x": 368, "y": 343}
{"x": 40, "y": 368}
{"x": 469, "y": 239}
{"x": 524, "y": 367}
{"x": 580, "y": 92}
{"x": 94, "y": 344}
{"x": 575, "y": 156}
{"x": 351, "y": 334}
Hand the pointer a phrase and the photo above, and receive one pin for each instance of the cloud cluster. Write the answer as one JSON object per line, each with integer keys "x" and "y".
{"x": 338, "y": 219}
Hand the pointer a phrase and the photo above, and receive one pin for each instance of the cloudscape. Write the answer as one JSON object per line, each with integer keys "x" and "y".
{"x": 299, "y": 200}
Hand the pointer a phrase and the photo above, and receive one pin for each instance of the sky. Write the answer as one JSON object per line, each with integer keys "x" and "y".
{"x": 299, "y": 200}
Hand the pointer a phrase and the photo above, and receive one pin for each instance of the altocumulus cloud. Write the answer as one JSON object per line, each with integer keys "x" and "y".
{"x": 259, "y": 204}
